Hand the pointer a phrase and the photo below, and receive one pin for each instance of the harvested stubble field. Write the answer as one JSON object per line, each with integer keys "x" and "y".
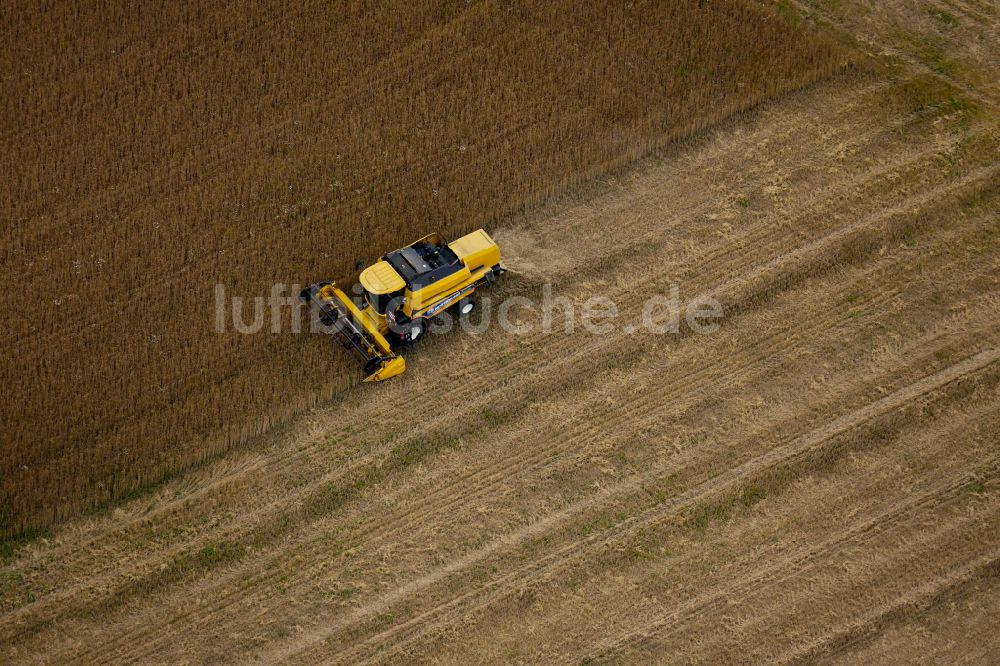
{"x": 816, "y": 481}
{"x": 159, "y": 151}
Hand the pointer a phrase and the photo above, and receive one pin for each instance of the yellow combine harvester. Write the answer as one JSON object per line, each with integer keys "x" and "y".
{"x": 402, "y": 291}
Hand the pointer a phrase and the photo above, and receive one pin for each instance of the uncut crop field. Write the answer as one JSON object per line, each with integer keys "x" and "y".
{"x": 155, "y": 152}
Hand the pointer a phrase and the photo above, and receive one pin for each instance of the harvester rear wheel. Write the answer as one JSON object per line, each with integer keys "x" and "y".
{"x": 466, "y": 305}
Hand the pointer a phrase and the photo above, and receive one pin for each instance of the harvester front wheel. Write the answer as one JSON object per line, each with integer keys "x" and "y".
{"x": 417, "y": 329}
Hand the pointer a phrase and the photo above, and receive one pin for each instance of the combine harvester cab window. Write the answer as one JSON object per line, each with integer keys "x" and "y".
{"x": 380, "y": 302}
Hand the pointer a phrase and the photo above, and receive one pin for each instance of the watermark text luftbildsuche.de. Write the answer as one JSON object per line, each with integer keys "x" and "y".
{"x": 666, "y": 313}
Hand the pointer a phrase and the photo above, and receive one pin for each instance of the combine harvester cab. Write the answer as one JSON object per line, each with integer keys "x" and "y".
{"x": 402, "y": 291}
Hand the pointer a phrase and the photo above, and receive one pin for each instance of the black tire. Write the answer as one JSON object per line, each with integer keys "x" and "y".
{"x": 417, "y": 329}
{"x": 465, "y": 306}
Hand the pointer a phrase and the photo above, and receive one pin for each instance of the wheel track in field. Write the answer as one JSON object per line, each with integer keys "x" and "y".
{"x": 758, "y": 235}
{"x": 678, "y": 620}
{"x": 290, "y": 463}
{"x": 172, "y": 505}
{"x": 789, "y": 565}
{"x": 307, "y": 575}
{"x": 497, "y": 474}
{"x": 954, "y": 584}
{"x": 520, "y": 577}
{"x": 948, "y": 488}
{"x": 912, "y": 587}
{"x": 780, "y": 456}
{"x": 714, "y": 602}
{"x": 867, "y": 38}
{"x": 682, "y": 463}
{"x": 935, "y": 593}
{"x": 723, "y": 253}
{"x": 711, "y": 150}
{"x": 979, "y": 15}
{"x": 585, "y": 353}
{"x": 505, "y": 472}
